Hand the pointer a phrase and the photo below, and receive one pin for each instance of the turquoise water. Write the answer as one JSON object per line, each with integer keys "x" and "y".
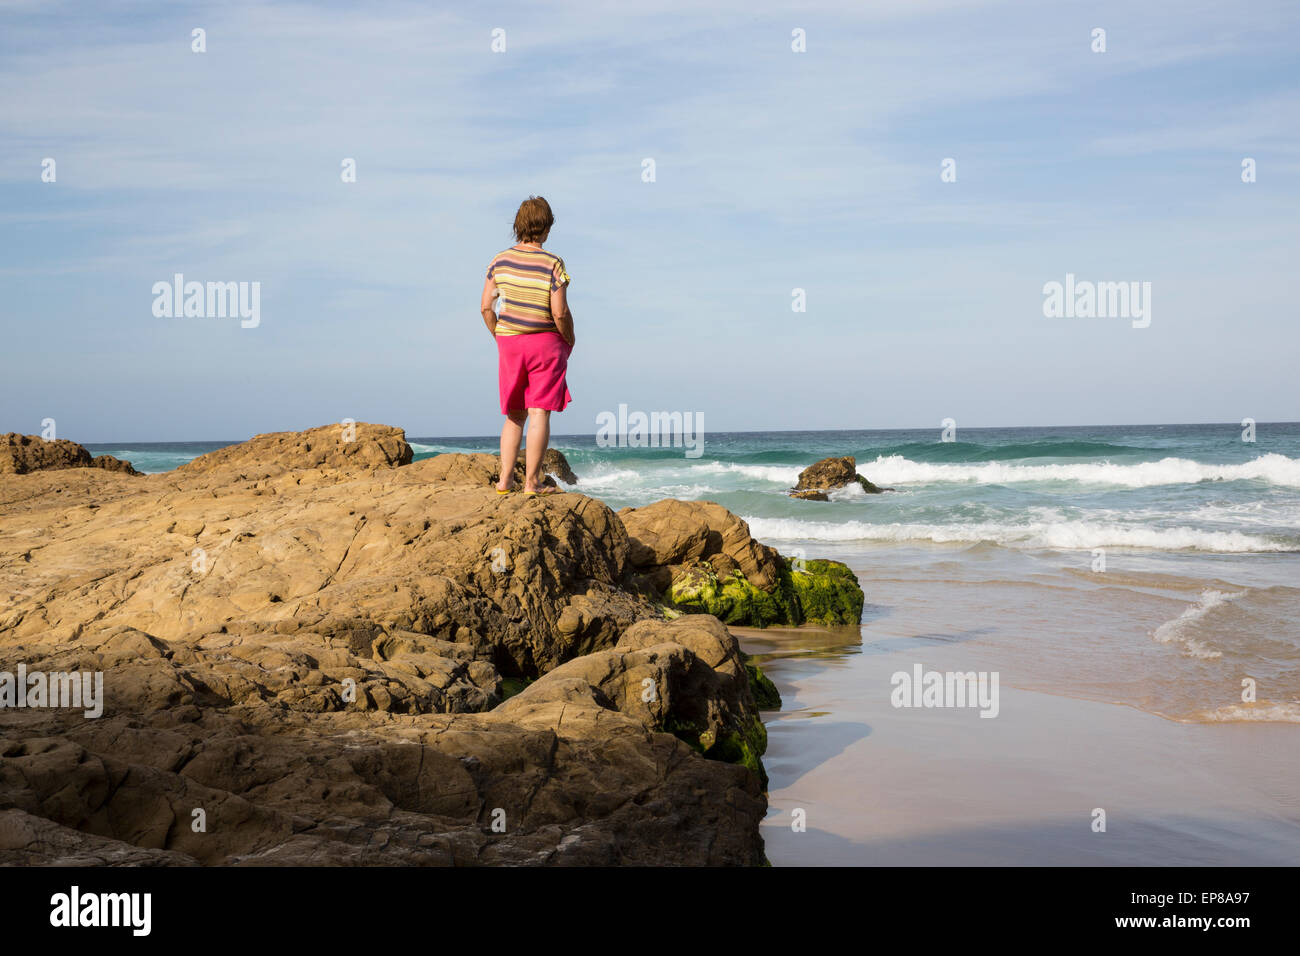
{"x": 157, "y": 456}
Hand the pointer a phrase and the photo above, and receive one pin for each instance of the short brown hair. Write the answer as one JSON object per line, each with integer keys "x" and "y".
{"x": 533, "y": 220}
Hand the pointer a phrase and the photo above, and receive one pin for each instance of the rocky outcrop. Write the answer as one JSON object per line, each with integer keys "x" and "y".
{"x": 527, "y": 583}
{"x": 109, "y": 463}
{"x": 827, "y": 475}
{"x": 340, "y": 449}
{"x": 309, "y": 650}
{"x": 22, "y": 454}
{"x": 574, "y": 770}
{"x": 27, "y": 840}
{"x": 669, "y": 535}
{"x": 686, "y": 677}
{"x": 700, "y": 557}
{"x": 554, "y": 463}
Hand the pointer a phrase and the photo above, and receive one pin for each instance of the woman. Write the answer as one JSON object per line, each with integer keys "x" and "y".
{"x": 534, "y": 335}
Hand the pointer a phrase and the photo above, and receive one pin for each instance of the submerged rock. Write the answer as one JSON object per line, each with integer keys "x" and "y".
{"x": 811, "y": 494}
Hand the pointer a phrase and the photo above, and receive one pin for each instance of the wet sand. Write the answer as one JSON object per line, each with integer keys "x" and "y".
{"x": 893, "y": 786}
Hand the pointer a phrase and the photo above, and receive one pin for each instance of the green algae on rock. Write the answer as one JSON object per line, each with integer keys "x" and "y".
{"x": 828, "y": 592}
{"x": 731, "y": 599}
{"x": 766, "y": 696}
{"x": 744, "y": 747}
{"x": 824, "y": 592}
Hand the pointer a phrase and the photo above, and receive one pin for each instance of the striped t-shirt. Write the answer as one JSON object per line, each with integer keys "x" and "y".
{"x": 525, "y": 278}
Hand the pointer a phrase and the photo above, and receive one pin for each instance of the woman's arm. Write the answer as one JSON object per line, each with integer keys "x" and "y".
{"x": 560, "y": 312}
{"x": 487, "y": 308}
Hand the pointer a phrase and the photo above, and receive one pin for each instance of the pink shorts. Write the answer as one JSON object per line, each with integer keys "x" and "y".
{"x": 532, "y": 368}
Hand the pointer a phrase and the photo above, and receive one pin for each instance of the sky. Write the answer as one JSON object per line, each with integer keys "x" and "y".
{"x": 774, "y": 171}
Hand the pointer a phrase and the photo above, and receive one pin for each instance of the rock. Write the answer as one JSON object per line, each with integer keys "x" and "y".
{"x": 701, "y": 558}
{"x": 870, "y": 487}
{"x": 23, "y": 454}
{"x": 483, "y": 470}
{"x": 343, "y": 449}
{"x": 578, "y": 772}
{"x": 685, "y": 677}
{"x": 673, "y": 532}
{"x": 554, "y": 463}
{"x": 829, "y": 474}
{"x": 27, "y": 840}
{"x": 475, "y": 470}
{"x": 817, "y": 591}
{"x": 346, "y": 556}
{"x": 732, "y": 598}
{"x": 766, "y": 696}
{"x": 311, "y": 642}
{"x": 109, "y": 463}
{"x": 827, "y": 592}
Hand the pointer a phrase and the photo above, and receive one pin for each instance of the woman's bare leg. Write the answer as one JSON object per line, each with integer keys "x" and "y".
{"x": 539, "y": 433}
{"x": 512, "y": 433}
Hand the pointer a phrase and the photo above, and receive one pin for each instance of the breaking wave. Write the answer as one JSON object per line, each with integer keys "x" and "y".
{"x": 1064, "y": 535}
{"x": 1272, "y": 468}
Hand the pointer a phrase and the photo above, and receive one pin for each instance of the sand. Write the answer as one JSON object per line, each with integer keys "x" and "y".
{"x": 889, "y": 786}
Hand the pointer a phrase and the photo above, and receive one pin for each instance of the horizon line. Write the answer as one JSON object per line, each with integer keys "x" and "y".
{"x": 749, "y": 431}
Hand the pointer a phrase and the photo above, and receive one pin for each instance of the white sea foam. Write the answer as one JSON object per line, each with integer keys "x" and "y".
{"x": 1285, "y": 712}
{"x": 1200, "y": 650}
{"x": 1179, "y": 629}
{"x": 780, "y": 474}
{"x": 897, "y": 470}
{"x": 1066, "y": 535}
{"x": 849, "y": 492}
{"x": 604, "y": 478}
